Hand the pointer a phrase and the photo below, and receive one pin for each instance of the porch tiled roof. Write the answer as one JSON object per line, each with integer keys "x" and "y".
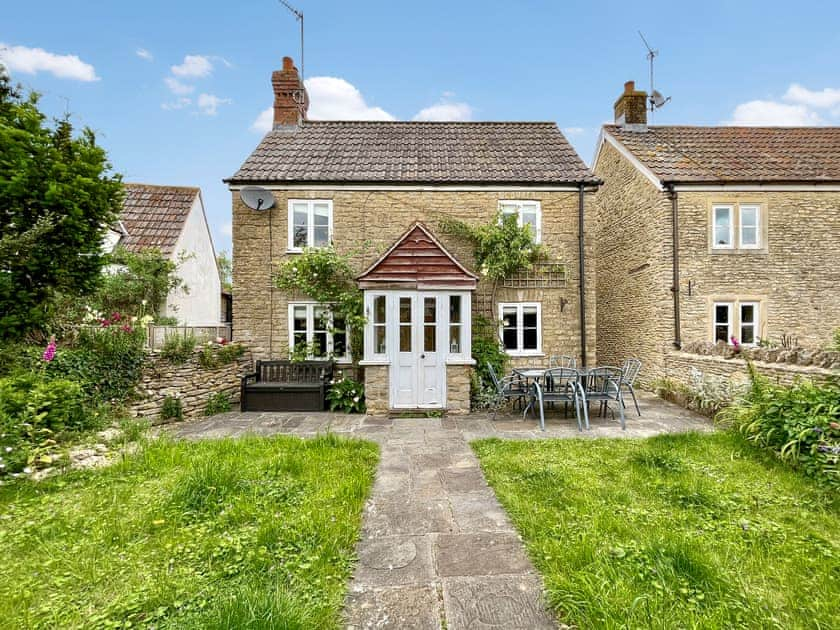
{"x": 735, "y": 154}
{"x": 154, "y": 216}
{"x": 415, "y": 152}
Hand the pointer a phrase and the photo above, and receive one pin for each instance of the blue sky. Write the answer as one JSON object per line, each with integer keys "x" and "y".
{"x": 175, "y": 89}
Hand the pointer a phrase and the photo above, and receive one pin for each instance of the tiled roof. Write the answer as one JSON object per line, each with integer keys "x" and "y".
{"x": 415, "y": 152}
{"x": 735, "y": 154}
{"x": 154, "y": 216}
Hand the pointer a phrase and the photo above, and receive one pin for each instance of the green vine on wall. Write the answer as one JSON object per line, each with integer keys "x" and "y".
{"x": 326, "y": 276}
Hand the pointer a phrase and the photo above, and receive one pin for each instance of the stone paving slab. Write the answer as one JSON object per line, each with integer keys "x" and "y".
{"x": 436, "y": 549}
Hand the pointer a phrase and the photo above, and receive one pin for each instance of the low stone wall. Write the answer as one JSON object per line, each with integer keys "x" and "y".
{"x": 191, "y": 382}
{"x": 678, "y": 367}
{"x": 800, "y": 357}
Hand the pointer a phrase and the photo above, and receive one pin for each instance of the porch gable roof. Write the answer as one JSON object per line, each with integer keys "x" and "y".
{"x": 417, "y": 260}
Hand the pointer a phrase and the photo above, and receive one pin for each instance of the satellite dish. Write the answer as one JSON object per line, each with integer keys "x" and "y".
{"x": 256, "y": 198}
{"x": 658, "y": 100}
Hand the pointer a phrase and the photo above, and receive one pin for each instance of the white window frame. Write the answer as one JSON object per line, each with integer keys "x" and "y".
{"x": 520, "y": 204}
{"x": 520, "y": 306}
{"x": 730, "y": 308}
{"x": 755, "y": 323}
{"x": 731, "y": 209}
{"x": 757, "y": 208}
{"x": 310, "y": 218}
{"x": 310, "y": 330}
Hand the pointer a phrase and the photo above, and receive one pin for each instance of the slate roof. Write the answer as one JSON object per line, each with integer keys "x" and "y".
{"x": 415, "y": 152}
{"x": 154, "y": 216}
{"x": 735, "y": 154}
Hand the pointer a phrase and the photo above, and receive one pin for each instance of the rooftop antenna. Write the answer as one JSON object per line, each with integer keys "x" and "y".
{"x": 655, "y": 100}
{"x": 299, "y": 17}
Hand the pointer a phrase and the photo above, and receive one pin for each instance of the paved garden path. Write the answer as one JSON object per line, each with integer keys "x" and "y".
{"x": 437, "y": 550}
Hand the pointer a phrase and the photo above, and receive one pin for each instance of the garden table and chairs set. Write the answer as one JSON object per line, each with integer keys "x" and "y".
{"x": 563, "y": 382}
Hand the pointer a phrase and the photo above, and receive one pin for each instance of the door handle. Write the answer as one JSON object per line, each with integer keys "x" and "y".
{"x": 422, "y": 356}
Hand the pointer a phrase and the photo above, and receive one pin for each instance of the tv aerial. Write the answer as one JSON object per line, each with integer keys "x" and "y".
{"x": 299, "y": 17}
{"x": 256, "y": 198}
{"x": 655, "y": 100}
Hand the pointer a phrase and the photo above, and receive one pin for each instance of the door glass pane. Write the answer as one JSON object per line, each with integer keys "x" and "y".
{"x": 405, "y": 338}
{"x": 454, "y": 309}
{"x": 430, "y": 337}
{"x": 429, "y": 310}
{"x": 405, "y": 310}
{"x": 379, "y": 309}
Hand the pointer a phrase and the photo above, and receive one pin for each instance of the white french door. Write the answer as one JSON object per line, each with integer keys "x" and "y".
{"x": 418, "y": 366}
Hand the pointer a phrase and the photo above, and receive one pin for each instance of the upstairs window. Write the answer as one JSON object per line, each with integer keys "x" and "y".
{"x": 310, "y": 223}
{"x": 527, "y": 213}
{"x": 723, "y": 227}
{"x": 736, "y": 227}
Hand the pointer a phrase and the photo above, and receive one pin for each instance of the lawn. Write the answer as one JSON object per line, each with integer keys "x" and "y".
{"x": 248, "y": 533}
{"x": 677, "y": 531}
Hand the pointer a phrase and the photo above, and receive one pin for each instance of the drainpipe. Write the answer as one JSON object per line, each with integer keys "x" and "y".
{"x": 675, "y": 258}
{"x": 581, "y": 269}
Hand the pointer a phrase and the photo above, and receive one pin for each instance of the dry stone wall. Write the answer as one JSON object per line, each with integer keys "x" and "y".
{"x": 191, "y": 382}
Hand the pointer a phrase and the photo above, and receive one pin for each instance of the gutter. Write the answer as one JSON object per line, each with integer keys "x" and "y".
{"x": 582, "y": 274}
{"x": 675, "y": 262}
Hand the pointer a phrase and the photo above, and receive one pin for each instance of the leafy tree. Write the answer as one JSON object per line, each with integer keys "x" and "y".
{"x": 225, "y": 270}
{"x": 57, "y": 197}
{"x": 140, "y": 282}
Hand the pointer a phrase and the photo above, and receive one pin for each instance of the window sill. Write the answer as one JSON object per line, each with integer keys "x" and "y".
{"x": 738, "y": 250}
{"x": 525, "y": 353}
{"x": 374, "y": 362}
{"x": 460, "y": 361}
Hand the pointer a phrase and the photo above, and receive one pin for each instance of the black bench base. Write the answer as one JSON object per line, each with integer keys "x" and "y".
{"x": 286, "y": 386}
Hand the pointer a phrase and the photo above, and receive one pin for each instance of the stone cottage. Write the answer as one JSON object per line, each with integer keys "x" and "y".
{"x": 713, "y": 234}
{"x": 380, "y": 190}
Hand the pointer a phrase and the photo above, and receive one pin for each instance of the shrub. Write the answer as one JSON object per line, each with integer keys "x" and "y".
{"x": 34, "y": 414}
{"x": 177, "y": 349}
{"x": 219, "y": 353}
{"x": 800, "y": 424}
{"x": 347, "y": 396}
{"x": 172, "y": 409}
{"x": 486, "y": 348}
{"x": 217, "y": 403}
{"x": 835, "y": 340}
{"x": 707, "y": 393}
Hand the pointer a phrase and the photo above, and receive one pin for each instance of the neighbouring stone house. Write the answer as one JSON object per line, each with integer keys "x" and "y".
{"x": 172, "y": 220}
{"x": 713, "y": 233}
{"x": 379, "y": 190}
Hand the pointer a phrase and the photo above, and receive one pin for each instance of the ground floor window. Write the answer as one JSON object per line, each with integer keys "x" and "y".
{"x": 521, "y": 327}
{"x": 315, "y": 332}
{"x": 738, "y": 320}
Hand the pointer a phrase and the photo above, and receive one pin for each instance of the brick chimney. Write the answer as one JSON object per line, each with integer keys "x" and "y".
{"x": 290, "y": 98}
{"x": 631, "y": 107}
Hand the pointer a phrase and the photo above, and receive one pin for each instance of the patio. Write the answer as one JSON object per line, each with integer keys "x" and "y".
{"x": 658, "y": 416}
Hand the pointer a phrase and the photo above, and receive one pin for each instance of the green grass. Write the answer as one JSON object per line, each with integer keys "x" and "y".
{"x": 677, "y": 531}
{"x": 248, "y": 533}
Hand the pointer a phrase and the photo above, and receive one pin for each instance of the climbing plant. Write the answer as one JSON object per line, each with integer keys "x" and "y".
{"x": 326, "y": 276}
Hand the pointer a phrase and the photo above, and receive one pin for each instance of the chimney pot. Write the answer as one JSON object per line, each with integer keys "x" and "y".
{"x": 631, "y": 108}
{"x": 291, "y": 101}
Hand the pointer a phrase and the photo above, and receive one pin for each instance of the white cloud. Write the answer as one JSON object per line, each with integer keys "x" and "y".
{"x": 144, "y": 54}
{"x": 331, "y": 98}
{"x": 209, "y": 103}
{"x": 574, "y": 131}
{"x": 445, "y": 110}
{"x": 177, "y": 87}
{"x": 226, "y": 229}
{"x": 193, "y": 66}
{"x": 771, "y": 113}
{"x": 825, "y": 98}
{"x": 180, "y": 103}
{"x": 34, "y": 60}
{"x": 264, "y": 121}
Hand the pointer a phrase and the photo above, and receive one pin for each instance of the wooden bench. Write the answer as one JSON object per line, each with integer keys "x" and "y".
{"x": 286, "y": 386}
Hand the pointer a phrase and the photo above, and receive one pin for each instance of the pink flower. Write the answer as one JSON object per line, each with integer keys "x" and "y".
{"x": 49, "y": 353}
{"x": 734, "y": 341}
{"x": 126, "y": 328}
{"x": 115, "y": 316}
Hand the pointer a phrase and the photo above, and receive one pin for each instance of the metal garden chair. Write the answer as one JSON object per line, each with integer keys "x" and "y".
{"x": 561, "y": 360}
{"x": 561, "y": 385}
{"x": 507, "y": 389}
{"x": 602, "y": 385}
{"x": 629, "y": 374}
